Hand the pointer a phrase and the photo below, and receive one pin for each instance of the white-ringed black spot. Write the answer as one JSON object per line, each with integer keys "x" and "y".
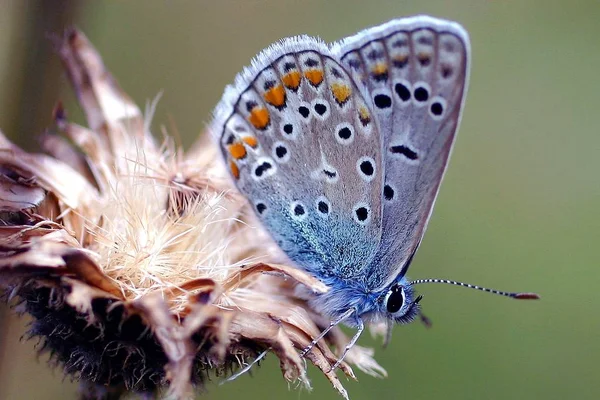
{"x": 325, "y": 173}
{"x": 261, "y": 208}
{"x": 298, "y": 211}
{"x": 365, "y": 166}
{"x": 281, "y": 152}
{"x": 402, "y": 91}
{"x": 263, "y": 168}
{"x": 289, "y": 130}
{"x": 304, "y": 111}
{"x": 330, "y": 174}
{"x": 320, "y": 108}
{"x": 344, "y": 133}
{"x": 421, "y": 94}
{"x": 388, "y": 193}
{"x": 361, "y": 213}
{"x": 323, "y": 206}
{"x": 405, "y": 151}
{"x": 382, "y": 101}
{"x": 437, "y": 109}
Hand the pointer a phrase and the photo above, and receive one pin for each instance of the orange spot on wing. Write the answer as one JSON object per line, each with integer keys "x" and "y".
{"x": 235, "y": 171}
{"x": 380, "y": 69}
{"x": 275, "y": 96}
{"x": 315, "y": 76}
{"x": 364, "y": 115}
{"x": 341, "y": 92}
{"x": 424, "y": 58}
{"x": 291, "y": 80}
{"x": 237, "y": 150}
{"x": 400, "y": 60}
{"x": 259, "y": 117}
{"x": 250, "y": 141}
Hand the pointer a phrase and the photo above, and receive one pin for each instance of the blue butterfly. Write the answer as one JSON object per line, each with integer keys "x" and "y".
{"x": 341, "y": 149}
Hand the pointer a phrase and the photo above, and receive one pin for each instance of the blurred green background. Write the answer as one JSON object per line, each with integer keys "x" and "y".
{"x": 518, "y": 209}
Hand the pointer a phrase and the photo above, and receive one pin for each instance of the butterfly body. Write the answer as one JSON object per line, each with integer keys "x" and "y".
{"x": 369, "y": 305}
{"x": 341, "y": 149}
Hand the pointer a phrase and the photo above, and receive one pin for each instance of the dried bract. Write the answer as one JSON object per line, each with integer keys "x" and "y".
{"x": 141, "y": 267}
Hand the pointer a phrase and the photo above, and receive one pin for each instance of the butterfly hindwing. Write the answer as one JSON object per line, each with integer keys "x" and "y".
{"x": 303, "y": 147}
{"x": 413, "y": 73}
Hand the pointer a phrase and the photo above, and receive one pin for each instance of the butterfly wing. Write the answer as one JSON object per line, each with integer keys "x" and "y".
{"x": 303, "y": 147}
{"x": 414, "y": 73}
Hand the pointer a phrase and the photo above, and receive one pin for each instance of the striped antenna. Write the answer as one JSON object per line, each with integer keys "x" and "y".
{"x": 519, "y": 296}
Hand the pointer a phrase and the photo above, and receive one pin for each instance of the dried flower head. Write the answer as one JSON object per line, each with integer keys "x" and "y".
{"x": 142, "y": 269}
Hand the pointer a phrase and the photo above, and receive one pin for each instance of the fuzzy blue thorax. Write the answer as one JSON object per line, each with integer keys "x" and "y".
{"x": 369, "y": 305}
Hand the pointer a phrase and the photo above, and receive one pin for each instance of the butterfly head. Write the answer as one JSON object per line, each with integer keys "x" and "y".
{"x": 399, "y": 303}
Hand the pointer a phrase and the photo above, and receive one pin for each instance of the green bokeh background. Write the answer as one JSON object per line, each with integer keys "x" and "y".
{"x": 518, "y": 209}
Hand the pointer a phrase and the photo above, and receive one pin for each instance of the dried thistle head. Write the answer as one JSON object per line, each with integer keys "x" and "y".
{"x": 142, "y": 269}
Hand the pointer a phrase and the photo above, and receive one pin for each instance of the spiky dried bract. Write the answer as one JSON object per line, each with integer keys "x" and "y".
{"x": 140, "y": 266}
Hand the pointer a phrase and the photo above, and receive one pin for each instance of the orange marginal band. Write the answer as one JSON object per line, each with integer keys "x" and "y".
{"x": 275, "y": 96}
{"x": 259, "y": 117}
{"x": 235, "y": 171}
{"x": 363, "y": 115}
{"x": 341, "y": 92}
{"x": 315, "y": 76}
{"x": 237, "y": 150}
{"x": 250, "y": 141}
{"x": 380, "y": 69}
{"x": 291, "y": 80}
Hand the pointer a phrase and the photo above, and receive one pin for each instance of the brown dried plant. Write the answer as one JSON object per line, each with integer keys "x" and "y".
{"x": 142, "y": 269}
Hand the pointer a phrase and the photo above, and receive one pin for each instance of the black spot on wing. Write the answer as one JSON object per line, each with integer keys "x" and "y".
{"x": 405, "y": 151}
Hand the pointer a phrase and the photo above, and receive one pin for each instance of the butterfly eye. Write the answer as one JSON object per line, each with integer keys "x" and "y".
{"x": 394, "y": 299}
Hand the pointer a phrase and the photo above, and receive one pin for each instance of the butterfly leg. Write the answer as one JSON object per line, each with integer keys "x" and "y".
{"x": 333, "y": 323}
{"x": 388, "y": 334}
{"x": 360, "y": 329}
{"x": 247, "y": 367}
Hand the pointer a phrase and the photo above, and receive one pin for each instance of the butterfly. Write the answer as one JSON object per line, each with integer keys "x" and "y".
{"x": 340, "y": 150}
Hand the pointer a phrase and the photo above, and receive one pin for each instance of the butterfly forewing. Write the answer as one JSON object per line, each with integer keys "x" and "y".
{"x": 302, "y": 145}
{"x": 413, "y": 73}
